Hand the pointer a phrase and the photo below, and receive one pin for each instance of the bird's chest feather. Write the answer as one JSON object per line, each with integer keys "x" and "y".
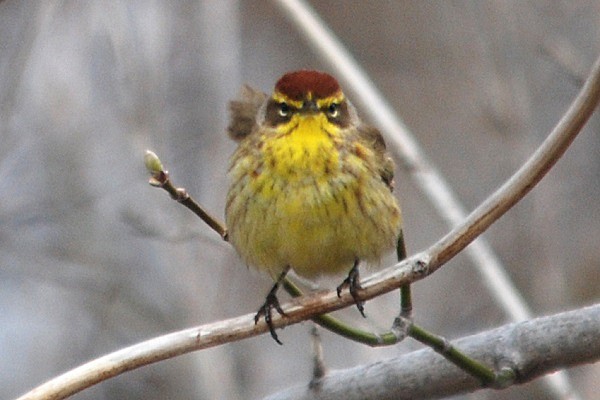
{"x": 308, "y": 201}
{"x": 302, "y": 174}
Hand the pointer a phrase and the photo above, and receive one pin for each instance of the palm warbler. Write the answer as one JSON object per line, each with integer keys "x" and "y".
{"x": 311, "y": 185}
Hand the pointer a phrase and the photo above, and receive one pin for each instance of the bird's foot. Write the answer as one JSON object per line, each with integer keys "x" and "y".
{"x": 266, "y": 311}
{"x": 352, "y": 282}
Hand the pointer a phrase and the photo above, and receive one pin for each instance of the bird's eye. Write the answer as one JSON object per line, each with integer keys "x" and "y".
{"x": 284, "y": 110}
{"x": 333, "y": 110}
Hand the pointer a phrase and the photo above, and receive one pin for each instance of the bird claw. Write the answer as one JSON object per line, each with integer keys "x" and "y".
{"x": 352, "y": 282}
{"x": 266, "y": 310}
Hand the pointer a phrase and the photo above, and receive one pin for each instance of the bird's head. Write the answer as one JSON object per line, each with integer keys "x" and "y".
{"x": 311, "y": 95}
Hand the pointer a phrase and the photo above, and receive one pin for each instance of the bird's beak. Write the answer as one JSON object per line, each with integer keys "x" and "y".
{"x": 310, "y": 107}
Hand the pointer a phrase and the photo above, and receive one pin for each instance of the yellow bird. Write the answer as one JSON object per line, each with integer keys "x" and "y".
{"x": 311, "y": 184}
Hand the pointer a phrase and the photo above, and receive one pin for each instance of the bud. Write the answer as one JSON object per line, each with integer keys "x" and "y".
{"x": 153, "y": 164}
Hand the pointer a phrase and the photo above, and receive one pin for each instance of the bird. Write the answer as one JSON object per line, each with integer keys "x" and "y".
{"x": 311, "y": 185}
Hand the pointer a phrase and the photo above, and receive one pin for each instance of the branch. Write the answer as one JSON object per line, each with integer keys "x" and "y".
{"x": 532, "y": 348}
{"x": 160, "y": 178}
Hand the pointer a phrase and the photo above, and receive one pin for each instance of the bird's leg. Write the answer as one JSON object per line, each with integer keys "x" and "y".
{"x": 405, "y": 292}
{"x": 352, "y": 282}
{"x": 271, "y": 302}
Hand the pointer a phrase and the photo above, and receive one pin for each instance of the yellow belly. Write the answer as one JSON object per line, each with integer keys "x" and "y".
{"x": 309, "y": 204}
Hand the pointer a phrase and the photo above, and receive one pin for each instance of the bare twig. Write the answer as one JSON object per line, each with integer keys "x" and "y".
{"x": 319, "y": 369}
{"x": 410, "y": 270}
{"x": 160, "y": 178}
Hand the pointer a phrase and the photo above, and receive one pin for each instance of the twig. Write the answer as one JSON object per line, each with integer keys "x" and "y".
{"x": 160, "y": 178}
{"x": 319, "y": 369}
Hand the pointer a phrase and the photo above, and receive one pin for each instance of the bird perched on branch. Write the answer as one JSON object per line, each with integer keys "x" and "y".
{"x": 311, "y": 185}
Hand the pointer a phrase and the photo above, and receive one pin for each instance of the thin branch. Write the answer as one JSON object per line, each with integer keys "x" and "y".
{"x": 532, "y": 348}
{"x": 160, "y": 178}
{"x": 412, "y": 269}
{"x": 486, "y": 376}
{"x": 531, "y": 172}
{"x": 347, "y": 331}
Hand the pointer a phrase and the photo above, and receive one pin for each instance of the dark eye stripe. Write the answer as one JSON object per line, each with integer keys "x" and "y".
{"x": 337, "y": 113}
{"x": 278, "y": 113}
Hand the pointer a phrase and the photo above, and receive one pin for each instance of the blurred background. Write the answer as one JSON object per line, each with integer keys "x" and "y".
{"x": 92, "y": 259}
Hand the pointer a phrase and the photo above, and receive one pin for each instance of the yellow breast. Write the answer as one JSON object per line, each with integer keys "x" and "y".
{"x": 309, "y": 196}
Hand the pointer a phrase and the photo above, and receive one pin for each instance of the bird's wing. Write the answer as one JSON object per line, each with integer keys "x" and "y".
{"x": 242, "y": 112}
{"x": 373, "y": 138}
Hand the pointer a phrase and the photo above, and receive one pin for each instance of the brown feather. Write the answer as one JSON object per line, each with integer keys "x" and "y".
{"x": 242, "y": 112}
{"x": 296, "y": 85}
{"x": 373, "y": 138}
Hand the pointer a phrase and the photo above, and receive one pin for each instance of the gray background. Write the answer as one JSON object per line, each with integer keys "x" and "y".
{"x": 93, "y": 259}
